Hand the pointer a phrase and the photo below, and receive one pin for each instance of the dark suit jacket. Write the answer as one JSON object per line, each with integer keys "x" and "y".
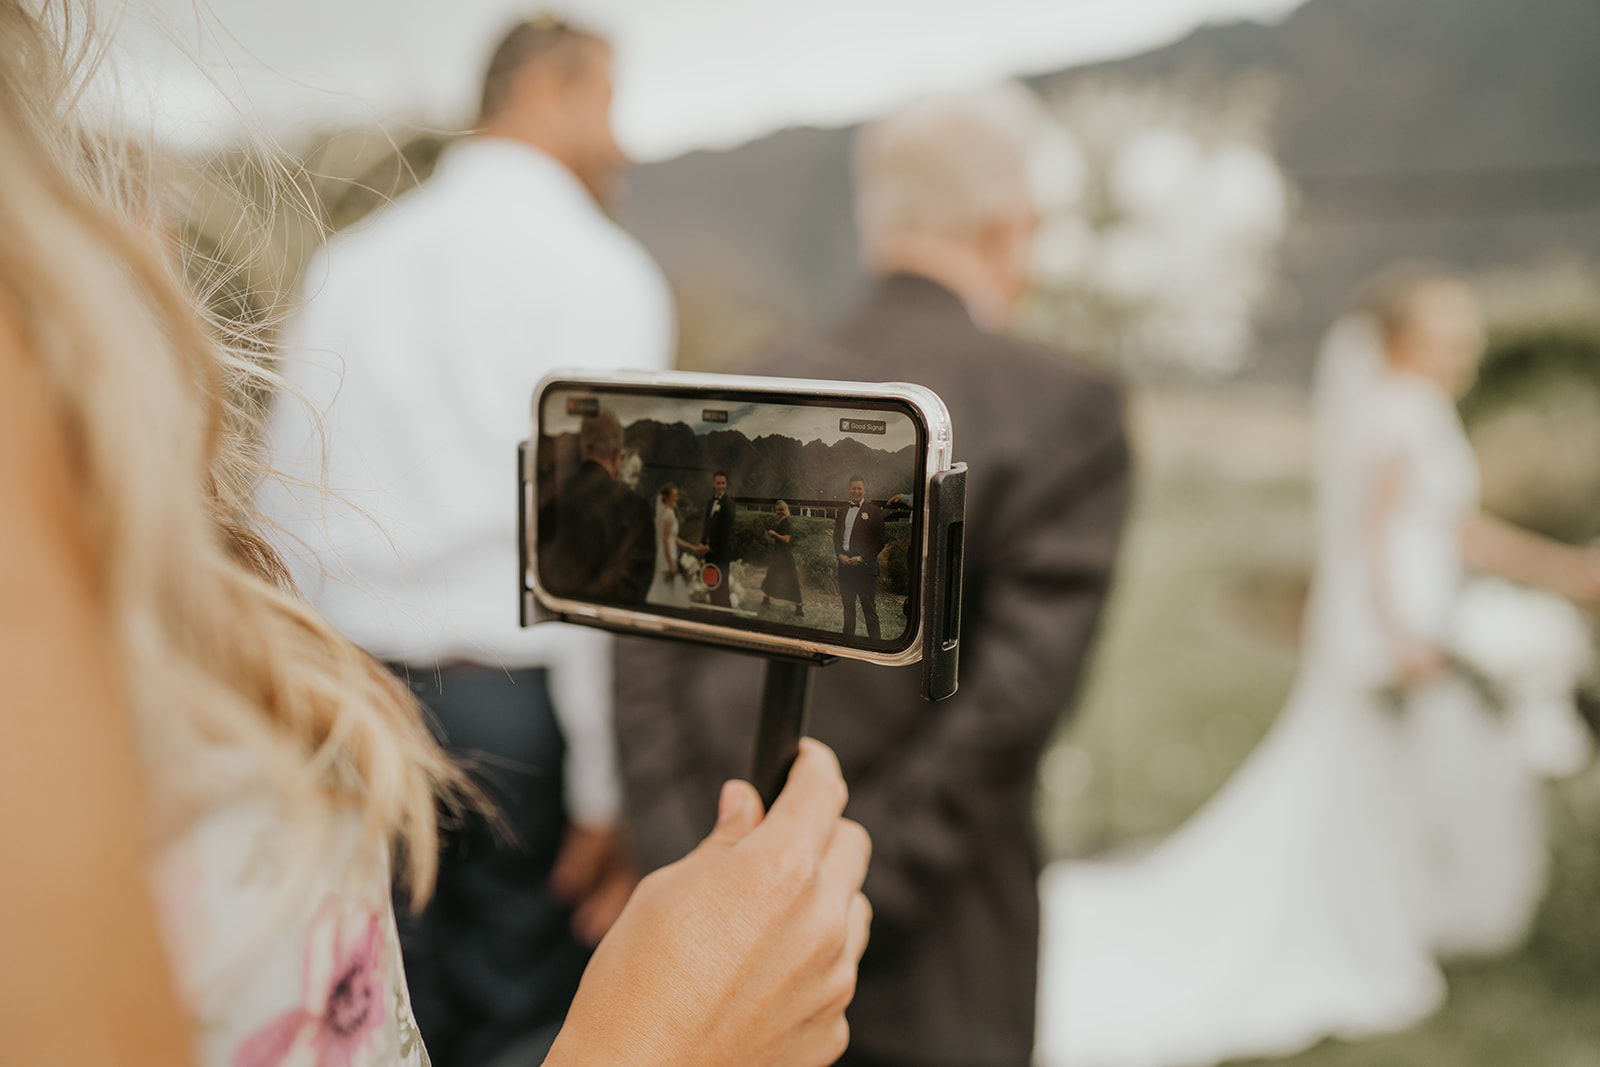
{"x": 866, "y": 536}
{"x": 946, "y": 789}
{"x": 717, "y": 533}
{"x": 596, "y": 539}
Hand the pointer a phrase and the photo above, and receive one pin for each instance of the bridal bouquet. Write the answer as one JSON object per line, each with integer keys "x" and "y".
{"x": 1394, "y": 696}
{"x": 1524, "y": 654}
{"x": 694, "y": 585}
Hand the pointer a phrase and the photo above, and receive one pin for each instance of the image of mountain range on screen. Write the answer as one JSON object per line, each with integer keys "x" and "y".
{"x": 786, "y": 517}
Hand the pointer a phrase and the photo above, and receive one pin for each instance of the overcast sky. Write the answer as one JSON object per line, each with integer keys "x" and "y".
{"x": 691, "y": 73}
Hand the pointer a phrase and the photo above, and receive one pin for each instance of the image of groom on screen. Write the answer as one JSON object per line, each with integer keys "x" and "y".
{"x": 600, "y": 531}
{"x": 857, "y": 539}
{"x": 716, "y": 537}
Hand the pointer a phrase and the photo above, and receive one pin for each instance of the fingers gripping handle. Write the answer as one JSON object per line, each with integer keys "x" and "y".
{"x": 785, "y": 711}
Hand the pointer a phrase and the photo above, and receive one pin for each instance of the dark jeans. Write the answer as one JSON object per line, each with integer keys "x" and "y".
{"x": 491, "y": 960}
{"x": 856, "y": 583}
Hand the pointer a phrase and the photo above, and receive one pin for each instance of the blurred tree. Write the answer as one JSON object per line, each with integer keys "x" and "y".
{"x": 1534, "y": 420}
{"x": 1163, "y": 211}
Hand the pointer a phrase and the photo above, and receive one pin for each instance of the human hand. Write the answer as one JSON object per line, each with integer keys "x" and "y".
{"x": 1419, "y": 660}
{"x": 701, "y": 550}
{"x": 594, "y": 874}
{"x": 844, "y": 559}
{"x": 742, "y": 952}
{"x": 1584, "y": 584}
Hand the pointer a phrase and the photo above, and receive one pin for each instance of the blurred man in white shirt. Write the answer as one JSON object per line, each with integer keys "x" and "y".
{"x": 413, "y": 361}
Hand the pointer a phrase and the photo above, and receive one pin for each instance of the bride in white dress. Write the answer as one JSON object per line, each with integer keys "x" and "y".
{"x": 670, "y": 584}
{"x": 1313, "y": 894}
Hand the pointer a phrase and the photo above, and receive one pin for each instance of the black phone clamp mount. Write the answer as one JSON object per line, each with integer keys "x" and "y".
{"x": 786, "y": 690}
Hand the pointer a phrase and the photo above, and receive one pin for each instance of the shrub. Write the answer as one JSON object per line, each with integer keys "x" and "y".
{"x": 812, "y": 543}
{"x": 892, "y": 563}
{"x": 750, "y": 536}
{"x": 814, "y": 557}
{"x": 1534, "y": 420}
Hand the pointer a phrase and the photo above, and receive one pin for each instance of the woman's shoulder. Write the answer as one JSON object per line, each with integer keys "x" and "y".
{"x": 274, "y": 957}
{"x": 1410, "y": 407}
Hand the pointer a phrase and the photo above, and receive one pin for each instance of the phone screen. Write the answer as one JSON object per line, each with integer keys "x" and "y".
{"x": 780, "y": 513}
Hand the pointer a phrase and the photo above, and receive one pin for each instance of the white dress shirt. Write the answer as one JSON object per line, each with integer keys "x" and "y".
{"x": 850, "y": 523}
{"x": 414, "y": 357}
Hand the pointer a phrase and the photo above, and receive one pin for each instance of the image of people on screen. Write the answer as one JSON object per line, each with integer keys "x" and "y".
{"x": 858, "y": 538}
{"x": 595, "y": 535}
{"x": 783, "y": 578}
{"x": 776, "y": 516}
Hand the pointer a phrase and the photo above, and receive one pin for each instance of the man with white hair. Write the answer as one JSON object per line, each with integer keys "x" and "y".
{"x": 946, "y": 218}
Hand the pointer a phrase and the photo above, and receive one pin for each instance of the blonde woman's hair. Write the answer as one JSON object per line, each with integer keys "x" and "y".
{"x": 215, "y": 650}
{"x": 1390, "y": 297}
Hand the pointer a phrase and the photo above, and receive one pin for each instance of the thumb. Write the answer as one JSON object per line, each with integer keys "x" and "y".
{"x": 738, "y": 812}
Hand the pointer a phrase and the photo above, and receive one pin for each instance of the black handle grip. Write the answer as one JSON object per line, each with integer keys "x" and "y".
{"x": 785, "y": 713}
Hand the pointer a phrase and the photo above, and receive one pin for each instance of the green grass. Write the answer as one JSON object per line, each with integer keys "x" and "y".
{"x": 1175, "y": 701}
{"x": 1173, "y": 704}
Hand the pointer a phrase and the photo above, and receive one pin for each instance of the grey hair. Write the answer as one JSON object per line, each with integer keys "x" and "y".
{"x": 946, "y": 165}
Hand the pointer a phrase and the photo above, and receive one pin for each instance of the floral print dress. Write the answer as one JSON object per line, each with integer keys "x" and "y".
{"x": 282, "y": 966}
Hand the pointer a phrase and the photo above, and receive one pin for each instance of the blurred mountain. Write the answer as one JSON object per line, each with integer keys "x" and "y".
{"x": 769, "y": 467}
{"x": 758, "y": 240}
{"x": 1457, "y": 130}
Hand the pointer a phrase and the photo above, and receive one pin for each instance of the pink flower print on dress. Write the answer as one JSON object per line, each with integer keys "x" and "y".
{"x": 343, "y": 998}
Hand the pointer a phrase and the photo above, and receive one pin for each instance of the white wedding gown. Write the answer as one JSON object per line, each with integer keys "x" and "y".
{"x": 665, "y": 587}
{"x": 1312, "y": 895}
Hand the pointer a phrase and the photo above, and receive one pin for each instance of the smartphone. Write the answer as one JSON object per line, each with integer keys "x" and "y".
{"x": 794, "y": 518}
